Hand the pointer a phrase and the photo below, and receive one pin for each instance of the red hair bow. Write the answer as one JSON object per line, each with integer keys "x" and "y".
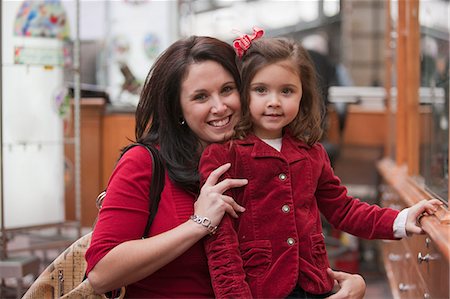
{"x": 242, "y": 43}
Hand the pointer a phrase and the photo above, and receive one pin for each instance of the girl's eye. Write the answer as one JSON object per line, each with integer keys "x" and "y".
{"x": 260, "y": 89}
{"x": 286, "y": 91}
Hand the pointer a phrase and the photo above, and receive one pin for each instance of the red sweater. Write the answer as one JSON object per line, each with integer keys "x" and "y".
{"x": 123, "y": 217}
{"x": 277, "y": 243}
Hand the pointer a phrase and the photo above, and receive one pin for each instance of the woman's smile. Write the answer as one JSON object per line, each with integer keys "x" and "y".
{"x": 220, "y": 122}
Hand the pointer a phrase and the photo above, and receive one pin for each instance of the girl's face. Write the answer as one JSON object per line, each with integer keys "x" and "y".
{"x": 275, "y": 94}
{"x": 210, "y": 102}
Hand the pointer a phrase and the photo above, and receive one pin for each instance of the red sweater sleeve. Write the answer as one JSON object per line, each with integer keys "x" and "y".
{"x": 222, "y": 249}
{"x": 125, "y": 208}
{"x": 347, "y": 213}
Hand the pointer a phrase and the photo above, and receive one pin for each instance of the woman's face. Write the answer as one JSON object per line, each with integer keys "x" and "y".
{"x": 210, "y": 102}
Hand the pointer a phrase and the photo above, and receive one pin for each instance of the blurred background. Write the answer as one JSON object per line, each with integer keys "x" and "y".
{"x": 71, "y": 77}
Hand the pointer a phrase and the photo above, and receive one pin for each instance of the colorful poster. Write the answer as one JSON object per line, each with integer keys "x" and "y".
{"x": 152, "y": 45}
{"x": 42, "y": 19}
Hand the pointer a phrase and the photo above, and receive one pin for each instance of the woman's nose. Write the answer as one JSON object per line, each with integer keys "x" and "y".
{"x": 218, "y": 105}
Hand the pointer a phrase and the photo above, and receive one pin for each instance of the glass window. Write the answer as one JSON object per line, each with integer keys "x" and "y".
{"x": 309, "y": 11}
{"x": 331, "y": 7}
{"x": 434, "y": 95}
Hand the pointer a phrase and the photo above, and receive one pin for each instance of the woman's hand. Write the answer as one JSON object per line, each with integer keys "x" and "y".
{"x": 212, "y": 203}
{"x": 424, "y": 206}
{"x": 350, "y": 286}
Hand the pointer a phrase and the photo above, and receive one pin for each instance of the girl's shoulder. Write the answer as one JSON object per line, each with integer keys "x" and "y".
{"x": 318, "y": 153}
{"x": 314, "y": 151}
{"x": 218, "y": 151}
{"x": 222, "y": 146}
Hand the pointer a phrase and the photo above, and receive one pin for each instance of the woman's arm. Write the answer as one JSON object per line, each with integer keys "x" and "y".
{"x": 134, "y": 260}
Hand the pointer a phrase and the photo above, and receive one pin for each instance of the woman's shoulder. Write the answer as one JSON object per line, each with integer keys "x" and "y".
{"x": 134, "y": 168}
{"x": 137, "y": 156}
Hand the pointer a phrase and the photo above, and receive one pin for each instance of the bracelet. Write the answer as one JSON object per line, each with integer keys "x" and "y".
{"x": 206, "y": 222}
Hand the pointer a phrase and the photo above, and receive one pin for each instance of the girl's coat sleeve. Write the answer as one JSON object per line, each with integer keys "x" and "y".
{"x": 350, "y": 214}
{"x": 222, "y": 249}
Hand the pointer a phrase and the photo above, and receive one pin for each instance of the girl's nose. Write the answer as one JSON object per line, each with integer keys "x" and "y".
{"x": 273, "y": 100}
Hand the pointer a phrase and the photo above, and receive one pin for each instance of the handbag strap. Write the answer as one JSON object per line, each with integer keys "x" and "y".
{"x": 156, "y": 185}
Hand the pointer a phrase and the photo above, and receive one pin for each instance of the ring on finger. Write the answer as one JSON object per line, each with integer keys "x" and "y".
{"x": 420, "y": 217}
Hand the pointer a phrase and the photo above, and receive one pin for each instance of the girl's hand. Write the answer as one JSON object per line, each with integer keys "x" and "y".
{"x": 212, "y": 203}
{"x": 350, "y": 286}
{"x": 424, "y": 206}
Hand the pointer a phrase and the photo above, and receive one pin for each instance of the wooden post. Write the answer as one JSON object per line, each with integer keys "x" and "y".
{"x": 401, "y": 85}
{"x": 387, "y": 82}
{"x": 412, "y": 87}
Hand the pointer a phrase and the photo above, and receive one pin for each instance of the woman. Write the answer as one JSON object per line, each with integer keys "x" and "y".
{"x": 190, "y": 99}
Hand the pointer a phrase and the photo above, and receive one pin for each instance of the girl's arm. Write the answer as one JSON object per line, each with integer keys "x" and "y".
{"x": 361, "y": 219}
{"x": 225, "y": 262}
{"x": 345, "y": 212}
{"x": 134, "y": 258}
{"x": 222, "y": 249}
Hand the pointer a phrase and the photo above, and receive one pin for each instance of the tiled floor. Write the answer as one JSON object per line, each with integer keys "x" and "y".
{"x": 377, "y": 286}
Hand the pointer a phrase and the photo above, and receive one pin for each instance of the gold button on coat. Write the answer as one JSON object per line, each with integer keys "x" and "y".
{"x": 291, "y": 241}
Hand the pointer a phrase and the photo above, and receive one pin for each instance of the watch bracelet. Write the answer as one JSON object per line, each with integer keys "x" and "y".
{"x": 206, "y": 222}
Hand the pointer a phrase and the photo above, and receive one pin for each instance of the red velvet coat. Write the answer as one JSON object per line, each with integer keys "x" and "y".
{"x": 278, "y": 240}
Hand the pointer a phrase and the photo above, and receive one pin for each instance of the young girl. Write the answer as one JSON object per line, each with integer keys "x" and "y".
{"x": 276, "y": 247}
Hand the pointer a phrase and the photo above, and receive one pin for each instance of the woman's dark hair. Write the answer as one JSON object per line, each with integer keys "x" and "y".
{"x": 262, "y": 52}
{"x": 158, "y": 113}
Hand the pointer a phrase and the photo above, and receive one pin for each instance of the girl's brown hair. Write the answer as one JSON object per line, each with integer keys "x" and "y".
{"x": 307, "y": 124}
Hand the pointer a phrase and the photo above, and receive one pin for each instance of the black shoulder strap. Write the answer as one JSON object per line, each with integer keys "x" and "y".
{"x": 157, "y": 183}
{"x": 156, "y": 187}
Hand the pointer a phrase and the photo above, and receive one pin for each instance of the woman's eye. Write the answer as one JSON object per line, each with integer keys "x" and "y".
{"x": 200, "y": 97}
{"x": 227, "y": 89}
